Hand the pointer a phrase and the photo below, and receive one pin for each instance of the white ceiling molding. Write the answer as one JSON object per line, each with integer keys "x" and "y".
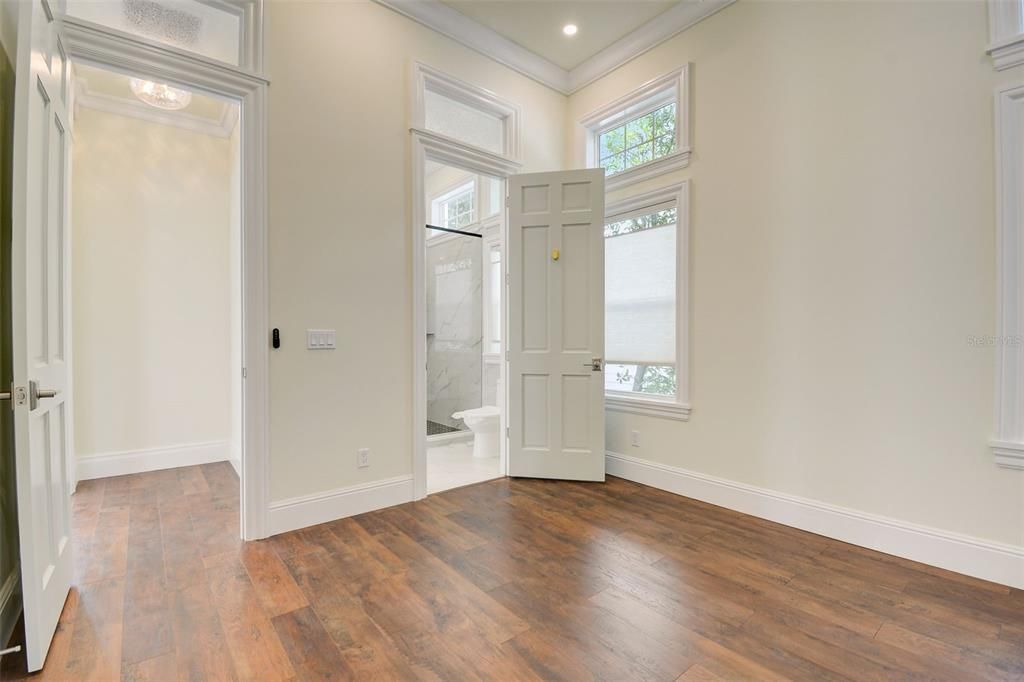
{"x": 474, "y": 35}
{"x": 650, "y": 35}
{"x": 133, "y": 108}
{"x": 460, "y": 28}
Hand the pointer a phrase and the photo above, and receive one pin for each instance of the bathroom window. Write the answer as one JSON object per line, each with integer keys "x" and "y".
{"x": 456, "y": 209}
{"x": 645, "y": 304}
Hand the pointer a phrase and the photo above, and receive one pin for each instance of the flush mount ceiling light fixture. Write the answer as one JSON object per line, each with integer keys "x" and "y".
{"x": 160, "y": 95}
{"x": 569, "y": 29}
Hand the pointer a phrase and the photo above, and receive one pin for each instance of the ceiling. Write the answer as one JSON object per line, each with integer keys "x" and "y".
{"x": 99, "y": 87}
{"x": 537, "y": 25}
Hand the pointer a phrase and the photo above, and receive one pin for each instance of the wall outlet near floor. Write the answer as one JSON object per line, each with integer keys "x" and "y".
{"x": 363, "y": 458}
{"x": 634, "y": 438}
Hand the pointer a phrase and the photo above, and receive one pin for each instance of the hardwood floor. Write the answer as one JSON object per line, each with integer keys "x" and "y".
{"x": 511, "y": 579}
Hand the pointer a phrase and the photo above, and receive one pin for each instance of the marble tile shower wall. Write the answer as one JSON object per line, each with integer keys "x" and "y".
{"x": 454, "y": 327}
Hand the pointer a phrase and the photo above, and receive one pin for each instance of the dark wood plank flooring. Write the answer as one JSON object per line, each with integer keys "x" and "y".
{"x": 510, "y": 579}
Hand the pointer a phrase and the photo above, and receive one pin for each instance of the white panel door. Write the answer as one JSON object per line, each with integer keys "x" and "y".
{"x": 40, "y": 323}
{"x": 556, "y": 325}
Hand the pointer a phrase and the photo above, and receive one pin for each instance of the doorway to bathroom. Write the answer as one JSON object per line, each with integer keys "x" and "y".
{"x": 463, "y": 269}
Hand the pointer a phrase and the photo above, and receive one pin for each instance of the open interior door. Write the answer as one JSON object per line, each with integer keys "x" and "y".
{"x": 556, "y": 325}
{"x": 40, "y": 324}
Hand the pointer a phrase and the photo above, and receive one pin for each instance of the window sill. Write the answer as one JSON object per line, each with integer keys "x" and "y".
{"x": 1008, "y": 53}
{"x": 1008, "y": 454}
{"x": 648, "y": 407}
{"x": 652, "y": 169}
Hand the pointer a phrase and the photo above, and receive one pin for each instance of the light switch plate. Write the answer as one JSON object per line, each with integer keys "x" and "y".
{"x": 321, "y": 339}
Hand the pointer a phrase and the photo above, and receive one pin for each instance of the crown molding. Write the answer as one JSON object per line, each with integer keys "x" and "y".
{"x": 474, "y": 35}
{"x": 133, "y": 108}
{"x": 656, "y": 31}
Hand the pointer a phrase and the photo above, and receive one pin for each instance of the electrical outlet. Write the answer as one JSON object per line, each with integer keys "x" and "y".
{"x": 634, "y": 438}
{"x": 363, "y": 458}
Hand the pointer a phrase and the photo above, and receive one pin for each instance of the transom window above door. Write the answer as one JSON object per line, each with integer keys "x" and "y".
{"x": 465, "y": 113}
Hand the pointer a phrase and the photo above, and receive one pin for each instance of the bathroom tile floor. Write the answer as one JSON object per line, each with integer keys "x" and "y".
{"x": 452, "y": 464}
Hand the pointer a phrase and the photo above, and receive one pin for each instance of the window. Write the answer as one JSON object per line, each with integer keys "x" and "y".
{"x": 645, "y": 304}
{"x": 456, "y": 209}
{"x": 1006, "y": 33}
{"x": 215, "y": 29}
{"x": 636, "y": 142}
{"x": 1008, "y": 344}
{"x": 464, "y": 112}
{"x": 643, "y": 134}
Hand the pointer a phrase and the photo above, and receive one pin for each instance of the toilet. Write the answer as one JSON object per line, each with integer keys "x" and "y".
{"x": 484, "y": 422}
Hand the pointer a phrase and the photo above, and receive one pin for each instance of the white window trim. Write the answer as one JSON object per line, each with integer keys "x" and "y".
{"x": 612, "y": 114}
{"x": 426, "y": 78}
{"x": 1007, "y": 443}
{"x": 678, "y": 407}
{"x": 1006, "y": 33}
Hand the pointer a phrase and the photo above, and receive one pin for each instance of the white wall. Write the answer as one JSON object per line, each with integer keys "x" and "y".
{"x": 340, "y": 240}
{"x": 842, "y": 253}
{"x": 151, "y": 293}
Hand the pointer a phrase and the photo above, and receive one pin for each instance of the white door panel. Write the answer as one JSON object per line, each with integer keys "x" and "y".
{"x": 556, "y": 325}
{"x": 40, "y": 324}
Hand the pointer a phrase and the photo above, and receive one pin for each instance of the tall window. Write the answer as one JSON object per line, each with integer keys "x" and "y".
{"x": 639, "y": 141}
{"x": 456, "y": 209}
{"x": 640, "y": 304}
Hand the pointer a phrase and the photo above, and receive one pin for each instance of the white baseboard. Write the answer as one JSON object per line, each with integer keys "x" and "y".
{"x": 236, "y": 464}
{"x": 10, "y": 605}
{"x": 309, "y": 510}
{"x": 976, "y": 557}
{"x": 153, "y": 459}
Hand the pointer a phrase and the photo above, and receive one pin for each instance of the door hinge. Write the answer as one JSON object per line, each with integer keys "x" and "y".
{"x": 508, "y": 432}
{"x": 243, "y": 373}
{"x": 508, "y": 279}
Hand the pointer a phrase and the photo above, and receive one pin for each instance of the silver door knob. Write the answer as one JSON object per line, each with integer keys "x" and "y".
{"x": 594, "y": 365}
{"x": 35, "y": 393}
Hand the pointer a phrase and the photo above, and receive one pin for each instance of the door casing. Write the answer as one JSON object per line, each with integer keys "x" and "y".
{"x": 106, "y": 48}
{"x": 429, "y": 146}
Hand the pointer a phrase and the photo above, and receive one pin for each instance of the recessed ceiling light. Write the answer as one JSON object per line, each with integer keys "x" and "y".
{"x": 569, "y": 29}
